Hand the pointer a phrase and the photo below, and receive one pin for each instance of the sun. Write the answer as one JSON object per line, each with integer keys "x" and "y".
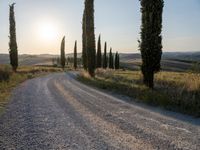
{"x": 47, "y": 31}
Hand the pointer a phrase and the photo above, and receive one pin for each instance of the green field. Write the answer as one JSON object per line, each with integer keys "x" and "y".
{"x": 177, "y": 91}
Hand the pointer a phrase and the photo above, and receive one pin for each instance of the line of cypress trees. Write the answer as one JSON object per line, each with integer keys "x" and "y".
{"x": 90, "y": 36}
{"x": 99, "y": 57}
{"x": 84, "y": 41}
{"x": 105, "y": 60}
{"x": 151, "y": 39}
{"x": 117, "y": 61}
{"x": 13, "y": 43}
{"x": 75, "y": 55}
{"x": 62, "y": 53}
{"x": 111, "y": 64}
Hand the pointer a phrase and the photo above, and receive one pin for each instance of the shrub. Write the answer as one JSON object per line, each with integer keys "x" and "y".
{"x": 196, "y": 67}
{"x": 5, "y": 73}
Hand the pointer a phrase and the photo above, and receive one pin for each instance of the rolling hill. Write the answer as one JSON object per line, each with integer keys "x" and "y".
{"x": 171, "y": 61}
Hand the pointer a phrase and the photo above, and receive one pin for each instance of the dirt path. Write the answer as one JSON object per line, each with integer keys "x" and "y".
{"x": 57, "y": 112}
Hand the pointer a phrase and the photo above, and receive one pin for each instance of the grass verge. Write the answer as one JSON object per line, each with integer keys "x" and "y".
{"x": 14, "y": 79}
{"x": 173, "y": 90}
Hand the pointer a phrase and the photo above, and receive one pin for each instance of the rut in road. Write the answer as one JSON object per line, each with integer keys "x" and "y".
{"x": 58, "y": 112}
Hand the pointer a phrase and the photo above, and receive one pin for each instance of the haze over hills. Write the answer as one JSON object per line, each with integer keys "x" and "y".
{"x": 175, "y": 61}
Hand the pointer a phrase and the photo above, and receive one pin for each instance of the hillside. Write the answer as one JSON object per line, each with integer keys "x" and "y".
{"x": 171, "y": 61}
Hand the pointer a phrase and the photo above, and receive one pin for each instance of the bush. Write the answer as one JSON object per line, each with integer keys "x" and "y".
{"x": 5, "y": 73}
{"x": 196, "y": 67}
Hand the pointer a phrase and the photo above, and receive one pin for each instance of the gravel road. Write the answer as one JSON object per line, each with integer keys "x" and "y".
{"x": 58, "y": 112}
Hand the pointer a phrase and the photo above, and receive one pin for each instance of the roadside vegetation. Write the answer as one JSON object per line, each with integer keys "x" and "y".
{"x": 10, "y": 79}
{"x": 173, "y": 91}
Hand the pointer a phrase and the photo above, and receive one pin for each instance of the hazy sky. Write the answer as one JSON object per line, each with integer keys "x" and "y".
{"x": 41, "y": 24}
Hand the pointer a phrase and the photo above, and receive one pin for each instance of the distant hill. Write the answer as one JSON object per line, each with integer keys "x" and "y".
{"x": 28, "y": 60}
{"x": 184, "y": 56}
{"x": 176, "y": 61}
{"x": 171, "y": 61}
{"x": 188, "y": 56}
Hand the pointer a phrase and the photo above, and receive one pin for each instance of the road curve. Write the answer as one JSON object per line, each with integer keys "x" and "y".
{"x": 58, "y": 112}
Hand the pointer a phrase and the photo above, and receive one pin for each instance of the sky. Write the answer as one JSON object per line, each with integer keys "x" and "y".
{"x": 41, "y": 24}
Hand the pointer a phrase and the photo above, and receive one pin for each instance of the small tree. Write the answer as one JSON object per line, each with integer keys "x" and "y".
{"x": 105, "y": 60}
{"x": 13, "y": 43}
{"x": 75, "y": 55}
{"x": 111, "y": 66}
{"x": 62, "y": 53}
{"x": 116, "y": 60}
{"x": 99, "y": 58}
{"x": 151, "y": 39}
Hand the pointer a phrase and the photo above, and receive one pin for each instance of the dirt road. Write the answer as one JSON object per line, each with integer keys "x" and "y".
{"x": 58, "y": 112}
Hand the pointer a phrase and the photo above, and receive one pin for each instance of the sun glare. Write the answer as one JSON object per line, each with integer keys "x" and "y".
{"x": 48, "y": 31}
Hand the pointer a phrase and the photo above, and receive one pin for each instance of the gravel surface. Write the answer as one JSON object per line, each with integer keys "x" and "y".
{"x": 58, "y": 112}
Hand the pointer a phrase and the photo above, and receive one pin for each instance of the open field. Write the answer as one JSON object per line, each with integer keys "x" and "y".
{"x": 24, "y": 73}
{"x": 177, "y": 91}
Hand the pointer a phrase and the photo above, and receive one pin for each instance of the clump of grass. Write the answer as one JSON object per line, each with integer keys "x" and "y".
{"x": 195, "y": 67}
{"x": 5, "y": 72}
{"x": 173, "y": 90}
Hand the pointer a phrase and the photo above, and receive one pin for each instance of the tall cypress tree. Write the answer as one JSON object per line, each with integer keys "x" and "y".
{"x": 75, "y": 55}
{"x": 13, "y": 43}
{"x": 62, "y": 53}
{"x": 111, "y": 66}
{"x": 105, "y": 60}
{"x": 99, "y": 58}
{"x": 90, "y": 37}
{"x": 84, "y": 41}
{"x": 151, "y": 39}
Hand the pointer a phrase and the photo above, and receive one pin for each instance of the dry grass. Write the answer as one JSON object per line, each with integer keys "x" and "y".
{"x": 173, "y": 90}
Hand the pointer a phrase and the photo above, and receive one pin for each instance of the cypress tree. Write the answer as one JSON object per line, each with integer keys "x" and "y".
{"x": 90, "y": 37}
{"x": 105, "y": 60}
{"x": 111, "y": 66}
{"x": 151, "y": 39}
{"x": 116, "y": 60}
{"x": 99, "y": 59}
{"x": 62, "y": 53}
{"x": 84, "y": 41}
{"x": 13, "y": 43}
{"x": 75, "y": 55}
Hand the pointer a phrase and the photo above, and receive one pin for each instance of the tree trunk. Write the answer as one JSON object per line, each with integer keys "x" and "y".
{"x": 148, "y": 78}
